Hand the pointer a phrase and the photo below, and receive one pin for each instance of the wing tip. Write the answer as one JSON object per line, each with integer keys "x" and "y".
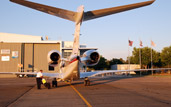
{"x": 151, "y": 1}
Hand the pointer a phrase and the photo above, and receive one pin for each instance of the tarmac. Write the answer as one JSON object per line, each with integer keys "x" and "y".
{"x": 110, "y": 91}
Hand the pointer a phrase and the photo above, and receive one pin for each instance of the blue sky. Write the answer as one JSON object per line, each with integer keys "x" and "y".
{"x": 109, "y": 34}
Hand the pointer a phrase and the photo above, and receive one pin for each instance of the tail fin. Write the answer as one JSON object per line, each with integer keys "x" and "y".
{"x": 79, "y": 19}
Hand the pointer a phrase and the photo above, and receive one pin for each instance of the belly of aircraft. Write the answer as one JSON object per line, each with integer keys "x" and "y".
{"x": 71, "y": 71}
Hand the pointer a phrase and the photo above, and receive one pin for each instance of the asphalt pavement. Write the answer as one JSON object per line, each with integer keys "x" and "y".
{"x": 103, "y": 92}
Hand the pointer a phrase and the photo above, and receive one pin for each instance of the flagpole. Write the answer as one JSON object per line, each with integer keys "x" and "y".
{"x": 151, "y": 59}
{"x": 129, "y": 44}
{"x": 128, "y": 56}
{"x": 140, "y": 56}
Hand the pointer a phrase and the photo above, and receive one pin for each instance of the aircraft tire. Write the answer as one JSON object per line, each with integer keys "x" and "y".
{"x": 54, "y": 83}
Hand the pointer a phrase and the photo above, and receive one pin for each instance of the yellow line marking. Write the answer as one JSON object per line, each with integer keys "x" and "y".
{"x": 88, "y": 104}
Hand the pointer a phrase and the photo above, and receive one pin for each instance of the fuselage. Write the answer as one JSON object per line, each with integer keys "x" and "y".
{"x": 71, "y": 70}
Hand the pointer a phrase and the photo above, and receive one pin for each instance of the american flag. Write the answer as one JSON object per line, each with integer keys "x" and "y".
{"x": 130, "y": 42}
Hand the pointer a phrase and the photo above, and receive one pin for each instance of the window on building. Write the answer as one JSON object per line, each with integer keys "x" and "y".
{"x": 67, "y": 54}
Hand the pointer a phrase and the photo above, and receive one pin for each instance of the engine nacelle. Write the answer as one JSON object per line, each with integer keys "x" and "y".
{"x": 90, "y": 58}
{"x": 53, "y": 58}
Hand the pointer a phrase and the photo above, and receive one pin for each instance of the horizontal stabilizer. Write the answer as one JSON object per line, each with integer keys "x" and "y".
{"x": 108, "y": 11}
{"x": 78, "y": 16}
{"x": 66, "y": 14}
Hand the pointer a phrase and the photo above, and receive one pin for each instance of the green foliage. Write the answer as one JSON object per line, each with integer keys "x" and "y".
{"x": 166, "y": 55}
{"x": 145, "y": 56}
{"x": 116, "y": 61}
{"x": 103, "y": 64}
{"x": 159, "y": 59}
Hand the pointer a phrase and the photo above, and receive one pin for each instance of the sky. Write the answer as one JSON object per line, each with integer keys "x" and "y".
{"x": 109, "y": 34}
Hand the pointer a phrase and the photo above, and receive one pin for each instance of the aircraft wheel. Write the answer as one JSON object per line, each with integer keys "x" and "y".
{"x": 86, "y": 82}
{"x": 54, "y": 83}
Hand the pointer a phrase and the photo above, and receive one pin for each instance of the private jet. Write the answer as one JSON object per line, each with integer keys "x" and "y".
{"x": 69, "y": 68}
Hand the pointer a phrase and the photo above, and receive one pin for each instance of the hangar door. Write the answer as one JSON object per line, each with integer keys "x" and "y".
{"x": 36, "y": 56}
{"x": 10, "y": 56}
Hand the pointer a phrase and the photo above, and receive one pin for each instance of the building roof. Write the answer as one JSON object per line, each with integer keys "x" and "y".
{"x": 18, "y": 38}
{"x": 81, "y": 48}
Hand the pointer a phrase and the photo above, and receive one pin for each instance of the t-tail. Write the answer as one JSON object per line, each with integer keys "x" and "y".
{"x": 78, "y": 21}
{"x": 80, "y": 15}
{"x": 70, "y": 71}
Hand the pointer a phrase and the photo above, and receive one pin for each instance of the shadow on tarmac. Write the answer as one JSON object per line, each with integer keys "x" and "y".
{"x": 100, "y": 80}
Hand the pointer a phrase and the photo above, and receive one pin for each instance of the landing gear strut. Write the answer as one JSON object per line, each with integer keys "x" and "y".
{"x": 86, "y": 81}
{"x": 54, "y": 83}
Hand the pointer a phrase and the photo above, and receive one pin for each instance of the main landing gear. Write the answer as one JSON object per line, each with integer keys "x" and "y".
{"x": 54, "y": 83}
{"x": 86, "y": 81}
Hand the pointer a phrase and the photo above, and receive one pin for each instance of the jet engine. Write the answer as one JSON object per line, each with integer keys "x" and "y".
{"x": 90, "y": 58}
{"x": 53, "y": 58}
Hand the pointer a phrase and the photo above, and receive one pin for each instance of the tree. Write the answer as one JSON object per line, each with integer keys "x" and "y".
{"x": 116, "y": 61}
{"x": 145, "y": 56}
{"x": 166, "y": 55}
{"x": 103, "y": 64}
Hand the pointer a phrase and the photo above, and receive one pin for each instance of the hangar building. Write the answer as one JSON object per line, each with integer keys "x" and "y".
{"x": 29, "y": 53}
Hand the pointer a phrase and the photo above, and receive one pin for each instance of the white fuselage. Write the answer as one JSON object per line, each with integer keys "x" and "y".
{"x": 71, "y": 71}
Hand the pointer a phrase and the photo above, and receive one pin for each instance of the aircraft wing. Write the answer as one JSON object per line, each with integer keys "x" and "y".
{"x": 51, "y": 75}
{"x": 65, "y": 14}
{"x": 108, "y": 11}
{"x": 94, "y": 73}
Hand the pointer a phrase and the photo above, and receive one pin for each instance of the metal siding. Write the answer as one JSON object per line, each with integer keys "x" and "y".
{"x": 28, "y": 57}
{"x": 39, "y": 60}
{"x": 12, "y": 64}
{"x": 40, "y": 55}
